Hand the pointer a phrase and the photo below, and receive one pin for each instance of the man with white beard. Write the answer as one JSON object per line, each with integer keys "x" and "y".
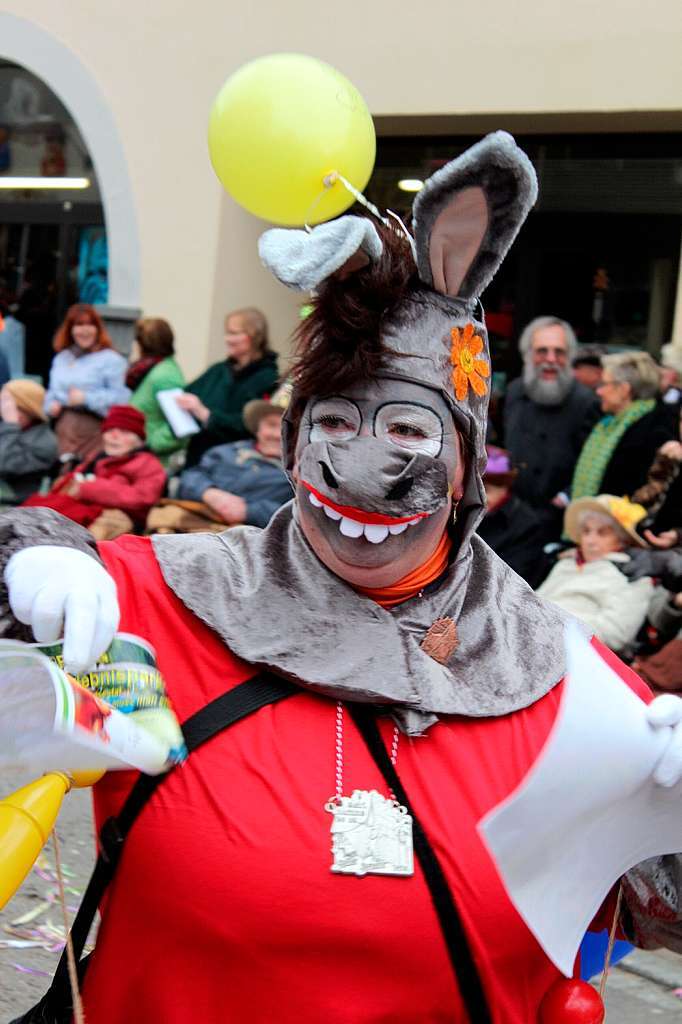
{"x": 547, "y": 417}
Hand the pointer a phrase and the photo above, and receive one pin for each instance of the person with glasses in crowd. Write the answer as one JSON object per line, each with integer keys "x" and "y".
{"x": 618, "y": 454}
{"x": 547, "y": 416}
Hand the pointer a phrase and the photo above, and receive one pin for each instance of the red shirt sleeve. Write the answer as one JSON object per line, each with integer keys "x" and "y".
{"x": 628, "y": 675}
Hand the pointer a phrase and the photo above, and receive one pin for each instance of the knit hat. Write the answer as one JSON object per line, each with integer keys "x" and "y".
{"x": 625, "y": 513}
{"x": 125, "y": 417}
{"x": 29, "y": 397}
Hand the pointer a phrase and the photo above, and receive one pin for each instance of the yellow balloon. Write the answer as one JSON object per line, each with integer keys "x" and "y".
{"x": 282, "y": 124}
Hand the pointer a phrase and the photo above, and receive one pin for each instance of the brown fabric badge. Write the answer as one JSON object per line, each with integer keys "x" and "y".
{"x": 441, "y": 641}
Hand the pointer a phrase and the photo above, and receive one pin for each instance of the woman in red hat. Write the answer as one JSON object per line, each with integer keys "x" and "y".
{"x": 112, "y": 493}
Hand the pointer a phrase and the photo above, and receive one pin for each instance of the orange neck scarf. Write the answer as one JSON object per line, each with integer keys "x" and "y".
{"x": 415, "y": 581}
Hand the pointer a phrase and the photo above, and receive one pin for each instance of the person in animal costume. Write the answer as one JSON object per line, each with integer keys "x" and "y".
{"x": 319, "y": 859}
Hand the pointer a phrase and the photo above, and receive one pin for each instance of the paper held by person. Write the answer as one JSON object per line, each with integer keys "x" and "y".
{"x": 588, "y": 810}
{"x": 181, "y": 422}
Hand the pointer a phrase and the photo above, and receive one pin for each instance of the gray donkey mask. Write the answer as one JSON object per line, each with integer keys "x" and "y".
{"x": 376, "y": 467}
{"x": 437, "y": 370}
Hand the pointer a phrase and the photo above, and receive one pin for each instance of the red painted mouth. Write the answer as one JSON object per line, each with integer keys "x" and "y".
{"x": 359, "y": 514}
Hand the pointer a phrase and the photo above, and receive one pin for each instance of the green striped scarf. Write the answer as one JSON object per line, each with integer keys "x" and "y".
{"x": 600, "y": 446}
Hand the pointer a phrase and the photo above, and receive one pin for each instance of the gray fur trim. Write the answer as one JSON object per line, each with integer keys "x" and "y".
{"x": 504, "y": 172}
{"x": 28, "y": 528}
{"x": 326, "y": 637}
{"x": 302, "y": 259}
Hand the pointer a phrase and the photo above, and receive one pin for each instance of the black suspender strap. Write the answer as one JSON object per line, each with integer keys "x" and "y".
{"x": 461, "y": 957}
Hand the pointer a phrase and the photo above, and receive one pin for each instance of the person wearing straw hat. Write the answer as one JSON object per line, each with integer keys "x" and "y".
{"x": 28, "y": 446}
{"x": 588, "y": 581}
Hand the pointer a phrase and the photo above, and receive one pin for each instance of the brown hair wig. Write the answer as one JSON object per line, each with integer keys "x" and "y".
{"x": 81, "y": 311}
{"x": 339, "y": 342}
{"x": 154, "y": 336}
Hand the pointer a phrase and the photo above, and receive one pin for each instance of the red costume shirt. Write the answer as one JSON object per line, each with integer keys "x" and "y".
{"x": 224, "y": 908}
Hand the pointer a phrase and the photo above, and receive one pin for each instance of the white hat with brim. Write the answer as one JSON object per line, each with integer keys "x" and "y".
{"x": 254, "y": 411}
{"x": 624, "y": 513}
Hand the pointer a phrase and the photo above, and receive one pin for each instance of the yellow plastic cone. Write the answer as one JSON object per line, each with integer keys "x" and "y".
{"x": 26, "y": 819}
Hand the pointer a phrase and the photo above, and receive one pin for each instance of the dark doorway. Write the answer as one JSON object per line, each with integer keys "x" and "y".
{"x": 40, "y": 250}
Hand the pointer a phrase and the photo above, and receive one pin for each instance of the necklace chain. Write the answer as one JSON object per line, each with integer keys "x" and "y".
{"x": 338, "y": 764}
{"x": 339, "y": 751}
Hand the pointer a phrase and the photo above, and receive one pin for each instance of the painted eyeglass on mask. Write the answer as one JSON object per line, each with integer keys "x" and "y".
{"x": 408, "y": 425}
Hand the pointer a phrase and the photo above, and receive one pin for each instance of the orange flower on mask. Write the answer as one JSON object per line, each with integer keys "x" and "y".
{"x": 468, "y": 368}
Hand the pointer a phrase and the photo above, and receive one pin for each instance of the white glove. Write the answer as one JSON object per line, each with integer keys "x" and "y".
{"x": 666, "y": 712}
{"x": 55, "y": 589}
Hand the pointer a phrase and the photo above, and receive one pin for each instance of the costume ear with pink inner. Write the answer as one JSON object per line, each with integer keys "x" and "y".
{"x": 468, "y": 214}
{"x": 303, "y": 260}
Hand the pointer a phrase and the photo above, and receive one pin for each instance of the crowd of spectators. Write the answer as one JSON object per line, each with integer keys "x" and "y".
{"x": 584, "y": 499}
{"x": 97, "y": 446}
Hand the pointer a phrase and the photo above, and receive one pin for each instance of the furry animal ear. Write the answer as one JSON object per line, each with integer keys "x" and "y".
{"x": 468, "y": 214}
{"x": 304, "y": 259}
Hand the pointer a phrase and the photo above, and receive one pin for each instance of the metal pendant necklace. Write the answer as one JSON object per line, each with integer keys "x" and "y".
{"x": 371, "y": 833}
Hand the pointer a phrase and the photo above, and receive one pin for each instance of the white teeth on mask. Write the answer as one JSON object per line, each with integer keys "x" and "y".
{"x": 351, "y": 528}
{"x": 376, "y": 533}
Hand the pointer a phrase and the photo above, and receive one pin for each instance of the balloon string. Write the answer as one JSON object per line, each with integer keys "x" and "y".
{"x": 612, "y": 940}
{"x": 361, "y": 199}
{"x": 328, "y": 182}
{"x": 78, "y": 1015}
{"x": 408, "y": 236}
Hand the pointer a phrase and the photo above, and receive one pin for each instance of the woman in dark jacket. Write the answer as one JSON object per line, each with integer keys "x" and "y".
{"x": 620, "y": 450}
{"x": 216, "y": 398}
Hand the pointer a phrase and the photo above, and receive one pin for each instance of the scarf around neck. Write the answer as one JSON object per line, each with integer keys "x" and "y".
{"x": 415, "y": 581}
{"x": 139, "y": 370}
{"x": 600, "y": 446}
